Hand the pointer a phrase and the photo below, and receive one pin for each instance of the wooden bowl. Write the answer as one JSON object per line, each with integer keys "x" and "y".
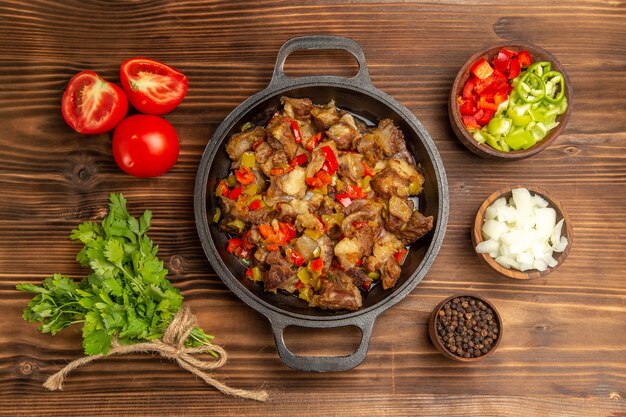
{"x": 438, "y": 343}
{"x": 477, "y": 235}
{"x": 484, "y": 150}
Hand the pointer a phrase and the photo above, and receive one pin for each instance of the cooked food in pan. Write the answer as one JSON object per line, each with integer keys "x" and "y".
{"x": 320, "y": 205}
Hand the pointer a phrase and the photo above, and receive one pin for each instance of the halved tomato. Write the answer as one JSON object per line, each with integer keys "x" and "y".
{"x": 152, "y": 87}
{"x": 92, "y": 105}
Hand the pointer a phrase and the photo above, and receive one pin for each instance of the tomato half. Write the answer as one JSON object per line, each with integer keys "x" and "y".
{"x": 152, "y": 87}
{"x": 92, "y": 105}
{"x": 145, "y": 145}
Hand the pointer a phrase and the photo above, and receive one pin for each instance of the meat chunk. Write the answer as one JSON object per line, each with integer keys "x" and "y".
{"x": 388, "y": 137}
{"x": 279, "y": 277}
{"x": 365, "y": 211}
{"x": 297, "y": 108}
{"x": 326, "y": 246}
{"x": 390, "y": 273}
{"x": 401, "y": 208}
{"x": 370, "y": 150}
{"x": 259, "y": 216}
{"x": 345, "y": 134}
{"x": 383, "y": 248}
{"x": 399, "y": 178}
{"x": 242, "y": 142}
{"x": 351, "y": 166}
{"x": 263, "y": 153}
{"x": 338, "y": 293}
{"x": 408, "y": 232}
{"x": 282, "y": 132}
{"x": 325, "y": 116}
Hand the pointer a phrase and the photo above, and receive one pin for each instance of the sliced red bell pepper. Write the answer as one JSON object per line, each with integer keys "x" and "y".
{"x": 235, "y": 193}
{"x": 366, "y": 285}
{"x": 319, "y": 180}
{"x": 359, "y": 225}
{"x": 502, "y": 60}
{"x": 355, "y": 192}
{"x": 400, "y": 255}
{"x": 295, "y": 127}
{"x": 359, "y": 262}
{"x": 344, "y": 199}
{"x": 500, "y": 97}
{"x": 245, "y": 240}
{"x": 299, "y": 160}
{"x": 255, "y": 205}
{"x": 299, "y": 285}
{"x": 257, "y": 143}
{"x": 244, "y": 175}
{"x": 483, "y": 116}
{"x": 277, "y": 171}
{"x": 515, "y": 68}
{"x": 470, "y": 122}
{"x": 467, "y": 108}
{"x": 481, "y": 69}
{"x": 485, "y": 105}
{"x": 316, "y": 265}
{"x": 525, "y": 59}
{"x": 331, "y": 164}
{"x": 295, "y": 258}
{"x": 366, "y": 169}
{"x": 272, "y": 247}
{"x": 313, "y": 141}
{"x": 468, "y": 89}
{"x": 234, "y": 244}
{"x": 249, "y": 273}
{"x": 288, "y": 231}
{"x": 222, "y": 189}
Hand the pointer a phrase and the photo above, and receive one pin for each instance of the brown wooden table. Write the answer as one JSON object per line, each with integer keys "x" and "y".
{"x": 564, "y": 346}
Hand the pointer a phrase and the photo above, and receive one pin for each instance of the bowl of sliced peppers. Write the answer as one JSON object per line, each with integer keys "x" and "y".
{"x": 510, "y": 101}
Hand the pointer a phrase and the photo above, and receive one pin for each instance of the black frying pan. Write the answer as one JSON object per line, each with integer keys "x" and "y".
{"x": 358, "y": 96}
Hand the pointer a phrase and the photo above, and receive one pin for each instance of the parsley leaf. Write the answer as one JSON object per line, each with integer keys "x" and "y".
{"x": 127, "y": 295}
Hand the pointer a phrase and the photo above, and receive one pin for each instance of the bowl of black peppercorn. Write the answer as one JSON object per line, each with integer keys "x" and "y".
{"x": 465, "y": 328}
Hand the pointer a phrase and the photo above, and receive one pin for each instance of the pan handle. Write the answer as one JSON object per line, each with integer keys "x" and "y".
{"x": 312, "y": 42}
{"x": 322, "y": 363}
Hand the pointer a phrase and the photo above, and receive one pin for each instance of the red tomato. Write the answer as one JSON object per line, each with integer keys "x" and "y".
{"x": 152, "y": 87}
{"x": 145, "y": 145}
{"x": 92, "y": 105}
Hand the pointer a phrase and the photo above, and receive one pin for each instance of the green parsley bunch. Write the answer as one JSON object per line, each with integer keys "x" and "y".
{"x": 126, "y": 296}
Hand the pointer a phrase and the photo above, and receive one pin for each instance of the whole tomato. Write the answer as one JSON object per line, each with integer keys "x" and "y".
{"x": 145, "y": 145}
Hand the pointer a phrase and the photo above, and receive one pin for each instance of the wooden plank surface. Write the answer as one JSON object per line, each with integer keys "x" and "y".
{"x": 564, "y": 349}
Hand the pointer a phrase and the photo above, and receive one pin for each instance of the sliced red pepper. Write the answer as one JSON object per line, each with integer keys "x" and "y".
{"x": 299, "y": 284}
{"x": 319, "y": 180}
{"x": 257, "y": 143}
{"x": 525, "y": 59}
{"x": 354, "y": 191}
{"x": 222, "y": 189}
{"x": 470, "y": 122}
{"x": 249, "y": 273}
{"x": 502, "y": 60}
{"x": 295, "y": 258}
{"x": 359, "y": 262}
{"x": 481, "y": 69}
{"x": 331, "y": 164}
{"x": 500, "y": 97}
{"x": 468, "y": 89}
{"x": 467, "y": 108}
{"x": 400, "y": 255}
{"x": 255, "y": 205}
{"x": 366, "y": 169}
{"x": 299, "y": 160}
{"x": 500, "y": 77}
{"x": 295, "y": 127}
{"x": 235, "y": 193}
{"x": 366, "y": 285}
{"x": 277, "y": 171}
{"x": 245, "y": 241}
{"x": 483, "y": 116}
{"x": 289, "y": 231}
{"x": 344, "y": 199}
{"x": 244, "y": 175}
{"x": 485, "y": 105}
{"x": 234, "y": 244}
{"x": 359, "y": 225}
{"x": 313, "y": 141}
{"x": 314, "y": 182}
{"x": 266, "y": 231}
{"x": 316, "y": 265}
{"x": 515, "y": 69}
{"x": 272, "y": 247}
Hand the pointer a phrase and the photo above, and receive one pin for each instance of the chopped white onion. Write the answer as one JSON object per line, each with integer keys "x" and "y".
{"x": 522, "y": 233}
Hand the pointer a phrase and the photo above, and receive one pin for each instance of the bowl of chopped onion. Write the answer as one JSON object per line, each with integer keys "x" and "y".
{"x": 522, "y": 232}
{"x": 510, "y": 101}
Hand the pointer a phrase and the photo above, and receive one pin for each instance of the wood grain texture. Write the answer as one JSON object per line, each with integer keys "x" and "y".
{"x": 564, "y": 349}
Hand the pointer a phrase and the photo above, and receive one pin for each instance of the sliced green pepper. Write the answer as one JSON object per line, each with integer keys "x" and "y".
{"x": 555, "y": 86}
{"x": 530, "y": 88}
{"x": 540, "y": 68}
